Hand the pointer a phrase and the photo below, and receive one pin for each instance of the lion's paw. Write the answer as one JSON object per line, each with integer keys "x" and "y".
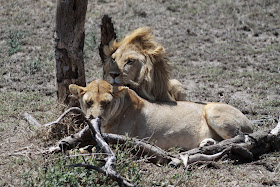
{"x": 207, "y": 142}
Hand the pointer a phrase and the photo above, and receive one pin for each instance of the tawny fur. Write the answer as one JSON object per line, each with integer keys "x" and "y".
{"x": 167, "y": 124}
{"x": 149, "y": 72}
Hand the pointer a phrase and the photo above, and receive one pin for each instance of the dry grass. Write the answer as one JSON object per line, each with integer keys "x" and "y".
{"x": 220, "y": 50}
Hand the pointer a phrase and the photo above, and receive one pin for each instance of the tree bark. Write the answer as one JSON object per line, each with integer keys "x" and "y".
{"x": 108, "y": 35}
{"x": 69, "y": 45}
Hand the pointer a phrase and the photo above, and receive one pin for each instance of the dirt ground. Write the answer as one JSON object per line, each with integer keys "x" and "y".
{"x": 226, "y": 51}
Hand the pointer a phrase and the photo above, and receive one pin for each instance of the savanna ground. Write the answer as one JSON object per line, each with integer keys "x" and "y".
{"x": 221, "y": 50}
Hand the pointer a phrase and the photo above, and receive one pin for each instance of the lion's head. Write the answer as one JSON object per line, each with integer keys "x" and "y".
{"x": 140, "y": 63}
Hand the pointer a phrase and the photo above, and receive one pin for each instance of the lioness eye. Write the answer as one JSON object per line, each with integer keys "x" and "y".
{"x": 129, "y": 62}
{"x": 89, "y": 103}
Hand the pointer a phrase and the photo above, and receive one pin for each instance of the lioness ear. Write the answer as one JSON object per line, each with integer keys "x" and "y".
{"x": 119, "y": 90}
{"x": 76, "y": 90}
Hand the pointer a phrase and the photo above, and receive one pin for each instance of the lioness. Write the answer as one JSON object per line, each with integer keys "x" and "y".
{"x": 169, "y": 124}
{"x": 140, "y": 63}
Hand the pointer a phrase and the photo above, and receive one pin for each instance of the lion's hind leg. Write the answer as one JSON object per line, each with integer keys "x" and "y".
{"x": 226, "y": 120}
{"x": 176, "y": 90}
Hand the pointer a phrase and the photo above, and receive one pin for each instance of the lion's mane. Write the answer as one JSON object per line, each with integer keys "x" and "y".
{"x": 154, "y": 76}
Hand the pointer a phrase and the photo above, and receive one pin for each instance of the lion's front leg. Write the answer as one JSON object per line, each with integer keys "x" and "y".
{"x": 142, "y": 92}
{"x": 176, "y": 90}
{"x": 133, "y": 85}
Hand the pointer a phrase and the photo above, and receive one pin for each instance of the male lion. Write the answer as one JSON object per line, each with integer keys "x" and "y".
{"x": 168, "y": 124}
{"x": 140, "y": 63}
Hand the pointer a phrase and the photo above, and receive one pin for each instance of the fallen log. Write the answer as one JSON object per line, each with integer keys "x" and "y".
{"x": 244, "y": 147}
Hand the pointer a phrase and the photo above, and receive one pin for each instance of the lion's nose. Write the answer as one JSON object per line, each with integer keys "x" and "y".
{"x": 114, "y": 75}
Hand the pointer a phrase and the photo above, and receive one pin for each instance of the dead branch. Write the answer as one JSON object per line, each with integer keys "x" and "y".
{"x": 31, "y": 120}
{"x": 72, "y": 109}
{"x": 276, "y": 130}
{"x": 111, "y": 158}
{"x": 140, "y": 147}
{"x": 92, "y": 133}
{"x": 242, "y": 147}
{"x": 118, "y": 178}
{"x": 143, "y": 148}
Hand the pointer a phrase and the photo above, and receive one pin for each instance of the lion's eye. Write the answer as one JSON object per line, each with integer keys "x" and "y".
{"x": 129, "y": 62}
{"x": 89, "y": 103}
{"x": 104, "y": 103}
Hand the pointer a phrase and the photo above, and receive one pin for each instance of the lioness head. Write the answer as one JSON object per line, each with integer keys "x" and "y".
{"x": 140, "y": 63}
{"x": 100, "y": 99}
{"x": 94, "y": 98}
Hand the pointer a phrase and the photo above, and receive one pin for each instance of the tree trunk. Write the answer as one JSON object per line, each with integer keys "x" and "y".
{"x": 108, "y": 35}
{"x": 69, "y": 45}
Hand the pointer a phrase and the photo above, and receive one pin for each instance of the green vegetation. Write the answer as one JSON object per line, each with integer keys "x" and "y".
{"x": 273, "y": 103}
{"x": 91, "y": 45}
{"x": 33, "y": 66}
{"x": 13, "y": 41}
{"x": 57, "y": 171}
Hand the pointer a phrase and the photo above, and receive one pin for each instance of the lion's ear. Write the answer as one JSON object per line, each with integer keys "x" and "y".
{"x": 158, "y": 51}
{"x": 76, "y": 90}
{"x": 109, "y": 49}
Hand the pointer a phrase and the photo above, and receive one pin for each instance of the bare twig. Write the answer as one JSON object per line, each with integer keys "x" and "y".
{"x": 111, "y": 158}
{"x": 118, "y": 178}
{"x": 142, "y": 148}
{"x": 242, "y": 147}
{"x": 276, "y": 130}
{"x": 188, "y": 159}
{"x": 156, "y": 154}
{"x": 31, "y": 120}
{"x": 93, "y": 128}
{"x": 72, "y": 109}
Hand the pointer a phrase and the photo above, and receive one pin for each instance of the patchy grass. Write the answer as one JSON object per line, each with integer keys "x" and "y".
{"x": 33, "y": 66}
{"x": 57, "y": 170}
{"x": 273, "y": 103}
{"x": 224, "y": 51}
{"x": 90, "y": 44}
{"x": 13, "y": 41}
